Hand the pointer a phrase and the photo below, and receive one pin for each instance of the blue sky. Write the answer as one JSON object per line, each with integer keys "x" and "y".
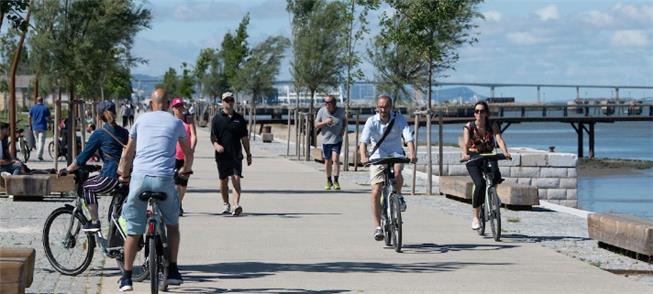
{"x": 569, "y": 42}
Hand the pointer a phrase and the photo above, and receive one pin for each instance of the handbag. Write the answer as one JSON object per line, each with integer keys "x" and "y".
{"x": 125, "y": 163}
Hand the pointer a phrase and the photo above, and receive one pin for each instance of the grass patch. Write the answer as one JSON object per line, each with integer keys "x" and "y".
{"x": 606, "y": 163}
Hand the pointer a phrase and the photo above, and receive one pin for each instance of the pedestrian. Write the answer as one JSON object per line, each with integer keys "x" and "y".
{"x": 130, "y": 113}
{"x": 229, "y": 136}
{"x": 125, "y": 114}
{"x": 39, "y": 115}
{"x": 331, "y": 121}
{"x": 179, "y": 111}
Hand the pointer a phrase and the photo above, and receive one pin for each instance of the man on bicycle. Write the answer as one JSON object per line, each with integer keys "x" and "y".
{"x": 154, "y": 138}
{"x": 391, "y": 145}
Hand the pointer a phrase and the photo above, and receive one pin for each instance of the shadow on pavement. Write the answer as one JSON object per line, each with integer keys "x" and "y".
{"x": 251, "y": 290}
{"x": 263, "y": 214}
{"x": 430, "y": 248}
{"x": 535, "y": 239}
{"x": 321, "y": 191}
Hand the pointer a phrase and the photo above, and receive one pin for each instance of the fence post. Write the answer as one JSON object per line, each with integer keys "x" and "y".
{"x": 429, "y": 180}
{"x": 307, "y": 155}
{"x": 357, "y": 143}
{"x": 288, "y": 137}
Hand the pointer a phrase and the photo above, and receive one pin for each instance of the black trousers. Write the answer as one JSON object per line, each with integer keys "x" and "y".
{"x": 475, "y": 170}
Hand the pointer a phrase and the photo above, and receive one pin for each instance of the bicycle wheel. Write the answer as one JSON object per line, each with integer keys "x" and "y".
{"x": 24, "y": 150}
{"x": 140, "y": 270}
{"x": 396, "y": 224}
{"x": 481, "y": 221}
{"x": 153, "y": 264}
{"x": 68, "y": 249}
{"x": 51, "y": 150}
{"x": 495, "y": 213}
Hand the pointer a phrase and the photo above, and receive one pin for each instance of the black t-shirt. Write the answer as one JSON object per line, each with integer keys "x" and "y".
{"x": 228, "y": 131}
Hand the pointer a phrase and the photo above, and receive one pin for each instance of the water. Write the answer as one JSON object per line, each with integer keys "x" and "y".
{"x": 626, "y": 194}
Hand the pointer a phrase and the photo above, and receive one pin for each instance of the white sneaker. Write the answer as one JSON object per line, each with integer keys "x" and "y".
{"x": 227, "y": 208}
{"x": 475, "y": 224}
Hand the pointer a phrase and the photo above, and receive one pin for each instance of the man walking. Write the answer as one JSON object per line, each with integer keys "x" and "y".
{"x": 228, "y": 131}
{"x": 331, "y": 120}
{"x": 153, "y": 139}
{"x": 39, "y": 115}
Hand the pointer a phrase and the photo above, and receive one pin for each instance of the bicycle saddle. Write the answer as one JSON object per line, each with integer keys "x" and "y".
{"x": 145, "y": 196}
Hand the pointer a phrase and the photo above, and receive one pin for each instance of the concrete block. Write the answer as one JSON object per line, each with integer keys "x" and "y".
{"x": 569, "y": 183}
{"x": 451, "y": 157}
{"x": 524, "y": 181}
{"x": 569, "y": 203}
{"x": 556, "y": 194}
{"x": 12, "y": 272}
{"x": 627, "y": 232}
{"x": 572, "y": 173}
{"x": 27, "y": 255}
{"x": 533, "y": 159}
{"x": 516, "y": 160}
{"x": 518, "y": 194}
{"x": 542, "y": 193}
{"x": 267, "y": 137}
{"x": 546, "y": 183}
{"x": 572, "y": 194}
{"x": 552, "y": 172}
{"x": 461, "y": 187}
{"x": 562, "y": 159}
{"x": 457, "y": 170}
{"x": 62, "y": 184}
{"x": 510, "y": 181}
{"x": 505, "y": 171}
{"x": 525, "y": 172}
{"x": 28, "y": 185}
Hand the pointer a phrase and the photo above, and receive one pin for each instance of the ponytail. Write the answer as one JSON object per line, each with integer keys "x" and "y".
{"x": 109, "y": 117}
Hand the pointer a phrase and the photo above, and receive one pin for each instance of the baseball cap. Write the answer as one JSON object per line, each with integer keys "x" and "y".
{"x": 176, "y": 102}
{"x": 106, "y": 105}
{"x": 227, "y": 94}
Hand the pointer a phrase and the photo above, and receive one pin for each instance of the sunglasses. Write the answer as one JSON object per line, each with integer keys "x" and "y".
{"x": 480, "y": 111}
{"x": 228, "y": 100}
{"x": 329, "y": 102}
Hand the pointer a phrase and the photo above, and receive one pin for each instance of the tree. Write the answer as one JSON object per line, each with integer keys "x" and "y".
{"x": 13, "y": 10}
{"x": 186, "y": 82}
{"x": 233, "y": 51}
{"x": 170, "y": 82}
{"x": 202, "y": 65}
{"x": 215, "y": 81}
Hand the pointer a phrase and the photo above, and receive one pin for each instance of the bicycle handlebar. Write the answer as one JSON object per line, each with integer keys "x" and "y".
{"x": 389, "y": 160}
{"x": 485, "y": 156}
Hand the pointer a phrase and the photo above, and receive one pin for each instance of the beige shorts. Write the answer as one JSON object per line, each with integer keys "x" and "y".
{"x": 376, "y": 173}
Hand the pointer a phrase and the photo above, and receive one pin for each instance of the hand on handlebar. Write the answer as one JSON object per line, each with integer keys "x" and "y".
{"x": 63, "y": 172}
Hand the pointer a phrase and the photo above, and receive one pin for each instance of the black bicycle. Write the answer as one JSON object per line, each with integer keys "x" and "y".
{"x": 25, "y": 149}
{"x": 391, "y": 222}
{"x": 69, "y": 250}
{"x": 156, "y": 252}
{"x": 491, "y": 208}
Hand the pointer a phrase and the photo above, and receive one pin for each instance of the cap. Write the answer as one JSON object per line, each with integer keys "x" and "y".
{"x": 227, "y": 94}
{"x": 106, "y": 105}
{"x": 176, "y": 102}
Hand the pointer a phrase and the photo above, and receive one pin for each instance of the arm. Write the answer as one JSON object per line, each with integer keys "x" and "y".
{"x": 463, "y": 147}
{"x": 214, "y": 137}
{"x": 410, "y": 140}
{"x": 188, "y": 155}
{"x": 193, "y": 137}
{"x": 128, "y": 155}
{"x": 318, "y": 124}
{"x": 364, "y": 141}
{"x": 90, "y": 148}
{"x": 245, "y": 141}
{"x": 345, "y": 125}
{"x": 500, "y": 141}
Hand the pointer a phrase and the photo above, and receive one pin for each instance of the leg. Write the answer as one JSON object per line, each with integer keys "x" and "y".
{"x": 335, "y": 159}
{"x": 134, "y": 213}
{"x": 235, "y": 182}
{"x": 376, "y": 205}
{"x": 94, "y": 186}
{"x": 399, "y": 179}
{"x": 40, "y": 143}
{"x": 479, "y": 188}
{"x": 174, "y": 238}
{"x": 224, "y": 190}
{"x": 131, "y": 248}
{"x": 327, "y": 167}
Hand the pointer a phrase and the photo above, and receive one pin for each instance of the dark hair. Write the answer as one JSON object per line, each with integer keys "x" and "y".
{"x": 487, "y": 111}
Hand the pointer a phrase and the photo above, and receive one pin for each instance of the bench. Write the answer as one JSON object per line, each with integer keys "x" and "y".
{"x": 16, "y": 269}
{"x": 513, "y": 196}
{"x": 34, "y": 187}
{"x": 625, "y": 232}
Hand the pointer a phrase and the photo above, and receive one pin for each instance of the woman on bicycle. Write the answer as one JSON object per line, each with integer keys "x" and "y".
{"x": 109, "y": 141}
{"x": 182, "y": 182}
{"x": 481, "y": 136}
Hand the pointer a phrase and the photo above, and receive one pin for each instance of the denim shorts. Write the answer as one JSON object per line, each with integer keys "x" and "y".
{"x": 329, "y": 149}
{"x": 134, "y": 209}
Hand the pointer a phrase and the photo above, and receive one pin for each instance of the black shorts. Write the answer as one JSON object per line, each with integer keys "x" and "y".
{"x": 179, "y": 163}
{"x": 227, "y": 168}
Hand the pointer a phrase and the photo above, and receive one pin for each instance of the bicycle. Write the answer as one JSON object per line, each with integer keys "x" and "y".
{"x": 68, "y": 249}
{"x": 491, "y": 208}
{"x": 391, "y": 223}
{"x": 156, "y": 251}
{"x": 25, "y": 150}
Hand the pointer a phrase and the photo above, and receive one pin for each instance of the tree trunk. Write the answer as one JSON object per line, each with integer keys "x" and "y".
{"x": 12, "y": 87}
{"x": 429, "y": 188}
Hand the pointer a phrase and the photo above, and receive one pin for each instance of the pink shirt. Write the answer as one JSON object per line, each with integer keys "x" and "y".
{"x": 180, "y": 153}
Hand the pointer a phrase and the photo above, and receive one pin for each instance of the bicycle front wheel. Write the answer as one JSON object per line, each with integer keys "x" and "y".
{"x": 153, "y": 264}
{"x": 140, "y": 270}
{"x": 481, "y": 220}
{"x": 68, "y": 249}
{"x": 25, "y": 150}
{"x": 494, "y": 206}
{"x": 51, "y": 150}
{"x": 396, "y": 223}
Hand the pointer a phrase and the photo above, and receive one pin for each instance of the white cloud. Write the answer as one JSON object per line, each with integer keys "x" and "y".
{"x": 597, "y": 18}
{"x": 629, "y": 38}
{"x": 492, "y": 15}
{"x": 549, "y": 12}
{"x": 642, "y": 13}
{"x": 523, "y": 38}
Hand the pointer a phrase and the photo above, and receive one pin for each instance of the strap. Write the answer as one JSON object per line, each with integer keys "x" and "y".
{"x": 114, "y": 137}
{"x": 385, "y": 134}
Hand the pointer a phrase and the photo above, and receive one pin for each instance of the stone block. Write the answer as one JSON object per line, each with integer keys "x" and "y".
{"x": 569, "y": 203}
{"x": 27, "y": 255}
{"x": 513, "y": 194}
{"x": 552, "y": 172}
{"x": 572, "y": 194}
{"x": 461, "y": 187}
{"x": 569, "y": 183}
{"x": 12, "y": 272}
{"x": 28, "y": 185}
{"x": 451, "y": 157}
{"x": 525, "y": 172}
{"x": 542, "y": 193}
{"x": 572, "y": 173}
{"x": 62, "y": 184}
{"x": 267, "y": 137}
{"x": 524, "y": 181}
{"x": 457, "y": 170}
{"x": 627, "y": 232}
{"x": 505, "y": 171}
{"x": 510, "y": 181}
{"x": 516, "y": 160}
{"x": 546, "y": 183}
{"x": 562, "y": 159}
{"x": 556, "y": 194}
{"x": 533, "y": 159}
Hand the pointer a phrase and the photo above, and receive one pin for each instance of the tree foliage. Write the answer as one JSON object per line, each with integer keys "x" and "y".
{"x": 261, "y": 67}
{"x": 14, "y": 11}
{"x": 233, "y": 51}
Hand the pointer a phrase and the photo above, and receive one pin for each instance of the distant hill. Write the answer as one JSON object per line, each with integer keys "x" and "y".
{"x": 145, "y": 83}
{"x": 456, "y": 93}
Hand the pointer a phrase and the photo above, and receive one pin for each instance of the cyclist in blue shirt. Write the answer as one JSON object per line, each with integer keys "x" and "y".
{"x": 39, "y": 115}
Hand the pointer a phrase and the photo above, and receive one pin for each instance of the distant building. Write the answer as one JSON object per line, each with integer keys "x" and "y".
{"x": 23, "y": 92}
{"x": 500, "y": 100}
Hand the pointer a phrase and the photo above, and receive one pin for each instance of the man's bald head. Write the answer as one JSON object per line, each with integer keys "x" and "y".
{"x": 158, "y": 99}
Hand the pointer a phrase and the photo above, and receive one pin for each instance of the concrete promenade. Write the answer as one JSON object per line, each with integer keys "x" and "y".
{"x": 293, "y": 237}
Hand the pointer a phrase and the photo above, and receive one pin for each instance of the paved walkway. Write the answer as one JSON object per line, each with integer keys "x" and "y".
{"x": 293, "y": 237}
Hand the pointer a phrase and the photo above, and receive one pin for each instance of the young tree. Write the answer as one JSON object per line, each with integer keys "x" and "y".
{"x": 170, "y": 82}
{"x": 215, "y": 82}
{"x": 186, "y": 82}
{"x": 14, "y": 10}
{"x": 234, "y": 51}
{"x": 201, "y": 66}
{"x": 261, "y": 67}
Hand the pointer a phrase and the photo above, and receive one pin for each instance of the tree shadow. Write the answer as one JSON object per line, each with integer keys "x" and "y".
{"x": 262, "y": 214}
{"x": 431, "y": 248}
{"x": 252, "y": 290}
{"x": 536, "y": 239}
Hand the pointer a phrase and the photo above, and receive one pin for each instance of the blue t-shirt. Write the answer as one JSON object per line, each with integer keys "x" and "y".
{"x": 40, "y": 115}
{"x": 156, "y": 134}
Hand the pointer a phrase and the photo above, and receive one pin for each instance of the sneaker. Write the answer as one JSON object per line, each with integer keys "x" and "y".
{"x": 402, "y": 203}
{"x": 181, "y": 211}
{"x": 41, "y": 158}
{"x": 238, "y": 210}
{"x": 378, "y": 234}
{"x": 91, "y": 227}
{"x": 227, "y": 208}
{"x": 475, "y": 224}
{"x": 174, "y": 277}
{"x": 125, "y": 285}
{"x": 336, "y": 186}
{"x": 328, "y": 185}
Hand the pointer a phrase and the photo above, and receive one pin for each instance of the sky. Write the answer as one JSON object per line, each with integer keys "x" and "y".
{"x": 599, "y": 42}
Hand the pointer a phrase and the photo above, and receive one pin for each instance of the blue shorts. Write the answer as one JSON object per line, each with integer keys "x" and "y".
{"x": 328, "y": 149}
{"x": 134, "y": 209}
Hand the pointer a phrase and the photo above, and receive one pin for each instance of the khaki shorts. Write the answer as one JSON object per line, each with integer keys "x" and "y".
{"x": 376, "y": 173}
